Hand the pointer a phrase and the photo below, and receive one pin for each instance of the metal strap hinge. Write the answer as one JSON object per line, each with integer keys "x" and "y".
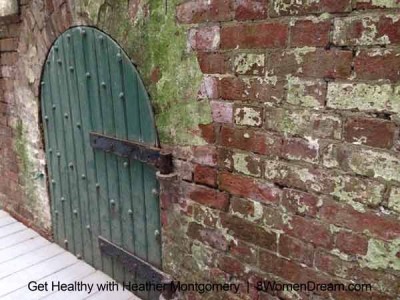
{"x": 162, "y": 160}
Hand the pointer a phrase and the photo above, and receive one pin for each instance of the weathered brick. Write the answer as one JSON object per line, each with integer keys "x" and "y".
{"x": 222, "y": 111}
{"x": 249, "y": 232}
{"x": 208, "y": 236}
{"x": 351, "y": 243}
{"x": 377, "y": 64}
{"x": 394, "y": 199}
{"x": 8, "y": 44}
{"x": 309, "y": 230}
{"x": 248, "y": 115}
{"x": 300, "y": 149}
{"x": 205, "y": 155}
{"x": 303, "y": 7}
{"x": 343, "y": 215}
{"x": 379, "y": 29}
{"x": 289, "y": 270}
{"x": 303, "y": 123}
{"x": 363, "y": 96}
{"x": 296, "y": 249}
{"x": 364, "y": 161}
{"x": 311, "y": 62}
{"x": 252, "y": 211}
{"x": 250, "y": 9}
{"x": 248, "y": 36}
{"x": 208, "y": 132}
{"x": 206, "y": 196}
{"x": 243, "y": 251}
{"x": 344, "y": 187}
{"x": 302, "y": 203}
{"x": 205, "y": 175}
{"x": 208, "y": 88}
{"x": 368, "y": 4}
{"x": 249, "y": 63}
{"x": 244, "y": 163}
{"x": 307, "y": 33}
{"x": 245, "y": 89}
{"x": 204, "y": 38}
{"x": 307, "y": 93}
{"x": 197, "y": 11}
{"x": 369, "y": 131}
{"x": 254, "y": 141}
{"x": 231, "y": 266}
{"x": 213, "y": 62}
{"x": 248, "y": 188}
{"x": 8, "y": 58}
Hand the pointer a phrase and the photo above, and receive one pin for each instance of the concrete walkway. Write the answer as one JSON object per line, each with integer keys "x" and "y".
{"x": 25, "y": 256}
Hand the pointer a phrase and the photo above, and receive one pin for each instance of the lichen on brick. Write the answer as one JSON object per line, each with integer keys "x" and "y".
{"x": 394, "y": 199}
{"x": 246, "y": 164}
{"x": 297, "y": 92}
{"x": 248, "y": 116}
{"x": 382, "y": 255}
{"x": 146, "y": 37}
{"x": 363, "y": 96}
{"x": 249, "y": 63}
{"x": 382, "y": 3}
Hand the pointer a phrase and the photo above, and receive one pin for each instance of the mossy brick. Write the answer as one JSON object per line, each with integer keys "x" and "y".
{"x": 303, "y": 123}
{"x": 364, "y": 97}
{"x": 305, "y": 92}
{"x": 367, "y": 30}
{"x": 310, "y": 62}
{"x": 248, "y": 115}
{"x": 364, "y": 161}
{"x": 304, "y": 7}
{"x": 345, "y": 188}
{"x": 371, "y": 4}
{"x": 394, "y": 199}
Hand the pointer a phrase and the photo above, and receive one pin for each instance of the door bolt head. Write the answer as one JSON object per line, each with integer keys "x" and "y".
{"x": 79, "y": 256}
{"x": 126, "y": 164}
{"x": 130, "y": 212}
{"x": 97, "y": 185}
{"x": 68, "y": 36}
{"x": 66, "y": 115}
{"x": 121, "y": 95}
{"x": 50, "y": 150}
{"x": 88, "y": 227}
{"x": 54, "y": 106}
{"x": 83, "y": 32}
{"x": 103, "y": 84}
{"x": 83, "y": 176}
{"x": 59, "y": 61}
{"x": 156, "y": 233}
{"x": 46, "y": 118}
{"x": 112, "y": 202}
{"x": 56, "y": 47}
{"x": 56, "y": 212}
{"x": 62, "y": 199}
{"x": 58, "y": 154}
{"x": 65, "y": 242}
{"x": 154, "y": 192}
{"x": 75, "y": 212}
{"x": 71, "y": 165}
{"x": 42, "y": 83}
{"x": 53, "y": 182}
{"x": 71, "y": 68}
{"x": 88, "y": 75}
{"x": 78, "y": 125}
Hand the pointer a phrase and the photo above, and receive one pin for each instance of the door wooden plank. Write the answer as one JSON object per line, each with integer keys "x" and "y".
{"x": 70, "y": 150}
{"x": 96, "y": 161}
{"x": 106, "y": 163}
{"x": 61, "y": 164}
{"x": 6, "y": 221}
{"x": 68, "y": 275}
{"x": 29, "y": 259}
{"x": 36, "y": 272}
{"x": 49, "y": 117}
{"x": 16, "y": 238}
{"x": 79, "y": 164}
{"x": 22, "y": 248}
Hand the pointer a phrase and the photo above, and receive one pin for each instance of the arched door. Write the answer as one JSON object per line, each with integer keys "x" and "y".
{"x": 101, "y": 154}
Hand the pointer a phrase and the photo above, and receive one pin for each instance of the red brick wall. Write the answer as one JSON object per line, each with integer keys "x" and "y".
{"x": 300, "y": 178}
{"x": 24, "y": 42}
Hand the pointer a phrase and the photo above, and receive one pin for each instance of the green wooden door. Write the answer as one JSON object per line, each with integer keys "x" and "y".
{"x": 90, "y": 85}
